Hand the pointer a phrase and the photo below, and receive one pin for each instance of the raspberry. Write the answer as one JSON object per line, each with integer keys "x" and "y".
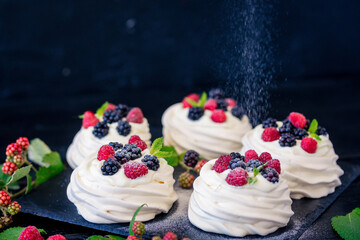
{"x": 222, "y": 163}
{"x": 156, "y": 238}
{"x": 270, "y": 122}
{"x": 89, "y": 119}
{"x": 13, "y": 149}
{"x": 138, "y": 228}
{"x": 186, "y": 180}
{"x": 210, "y": 104}
{"x": 138, "y": 142}
{"x": 134, "y": 138}
{"x": 110, "y": 167}
{"x": 253, "y": 163}
{"x": 135, "y": 115}
{"x": 195, "y": 113}
{"x": 238, "y": 112}
{"x": 110, "y": 107}
{"x": 116, "y": 146}
{"x": 111, "y": 116}
{"x": 191, "y": 158}
{"x": 132, "y": 237}
{"x": 4, "y": 198}
{"x": 237, "y": 162}
{"x": 270, "y": 174}
{"x": 23, "y": 142}
{"x": 199, "y": 165}
{"x": 170, "y": 236}
{"x": 122, "y": 109}
{"x": 105, "y": 152}
{"x": 270, "y": 134}
{"x": 250, "y": 154}
{"x": 216, "y": 93}
{"x": 30, "y": 233}
{"x": 152, "y": 162}
{"x": 297, "y": 119}
{"x": 218, "y": 116}
{"x": 237, "y": 177}
{"x": 123, "y": 128}
{"x": 14, "y": 208}
{"x": 101, "y": 129}
{"x": 287, "y": 140}
{"x": 264, "y": 157}
{"x": 274, "y": 163}
{"x": 195, "y": 97}
{"x": 231, "y": 102}
{"x": 9, "y": 168}
{"x": 134, "y": 170}
{"x": 18, "y": 160}
{"x": 309, "y": 145}
{"x": 56, "y": 237}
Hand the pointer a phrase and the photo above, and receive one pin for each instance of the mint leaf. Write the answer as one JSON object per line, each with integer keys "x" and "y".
{"x": 102, "y": 109}
{"x": 81, "y": 116}
{"x": 314, "y": 135}
{"x": 192, "y": 102}
{"x": 28, "y": 184}
{"x": 113, "y": 237}
{"x": 55, "y": 164}
{"x": 97, "y": 237}
{"x": 156, "y": 146}
{"x": 202, "y": 100}
{"x": 313, "y": 126}
{"x": 37, "y": 150}
{"x": 20, "y": 173}
{"x": 14, "y": 233}
{"x": 348, "y": 227}
{"x": 133, "y": 219}
{"x": 171, "y": 157}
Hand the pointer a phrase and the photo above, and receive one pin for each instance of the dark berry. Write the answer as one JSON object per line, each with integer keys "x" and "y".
{"x": 300, "y": 133}
{"x": 216, "y": 93}
{"x": 116, "y": 146}
{"x": 123, "y": 110}
{"x": 123, "y": 127}
{"x": 321, "y": 131}
{"x": 101, "y": 129}
{"x": 237, "y": 162}
{"x": 191, "y": 158}
{"x": 134, "y": 150}
{"x": 253, "y": 163}
{"x": 307, "y": 124}
{"x": 152, "y": 162}
{"x": 122, "y": 156}
{"x": 222, "y": 104}
{"x": 287, "y": 140}
{"x": 236, "y": 155}
{"x": 111, "y": 116}
{"x": 270, "y": 174}
{"x": 287, "y": 127}
{"x": 270, "y": 122}
{"x": 195, "y": 113}
{"x": 110, "y": 167}
{"x": 238, "y": 112}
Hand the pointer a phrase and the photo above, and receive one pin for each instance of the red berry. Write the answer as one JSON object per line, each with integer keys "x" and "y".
{"x": 18, "y": 160}
{"x": 250, "y": 154}
{"x": 309, "y": 144}
{"x": 105, "y": 152}
{"x": 264, "y": 157}
{"x": 237, "y": 177}
{"x": 222, "y": 163}
{"x": 89, "y": 119}
{"x": 23, "y": 142}
{"x": 135, "y": 169}
{"x": 270, "y": 134}
{"x": 170, "y": 236}
{"x": 231, "y": 102}
{"x": 141, "y": 144}
{"x": 13, "y": 149}
{"x": 132, "y": 237}
{"x": 195, "y": 97}
{"x": 4, "y": 198}
{"x": 274, "y": 163}
{"x": 199, "y": 166}
{"x": 14, "y": 208}
{"x": 9, "y": 168}
{"x": 218, "y": 116}
{"x": 186, "y": 180}
{"x": 135, "y": 115}
{"x": 210, "y": 104}
{"x": 110, "y": 107}
{"x": 297, "y": 119}
{"x": 134, "y": 138}
{"x": 138, "y": 228}
{"x": 30, "y": 233}
{"x": 56, "y": 237}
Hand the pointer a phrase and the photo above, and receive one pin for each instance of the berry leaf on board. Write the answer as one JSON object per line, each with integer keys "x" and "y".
{"x": 107, "y": 237}
{"x": 156, "y": 146}
{"x": 20, "y": 173}
{"x": 37, "y": 150}
{"x": 4, "y": 179}
{"x": 131, "y": 232}
{"x": 313, "y": 126}
{"x": 348, "y": 227}
{"x": 100, "y": 111}
{"x": 28, "y": 183}
{"x": 14, "y": 233}
{"x": 55, "y": 164}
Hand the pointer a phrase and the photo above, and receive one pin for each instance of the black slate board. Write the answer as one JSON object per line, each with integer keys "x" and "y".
{"x": 50, "y": 201}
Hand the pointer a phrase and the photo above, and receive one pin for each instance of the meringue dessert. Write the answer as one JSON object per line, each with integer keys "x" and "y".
{"x": 115, "y": 124}
{"x": 239, "y": 196}
{"x": 304, "y": 150}
{"x": 210, "y": 126}
{"x": 113, "y": 183}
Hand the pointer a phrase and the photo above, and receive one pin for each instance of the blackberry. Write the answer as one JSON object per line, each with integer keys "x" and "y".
{"x": 110, "y": 167}
{"x": 123, "y": 156}
{"x": 287, "y": 140}
{"x": 152, "y": 162}
{"x": 116, "y": 146}
{"x": 307, "y": 124}
{"x": 195, "y": 113}
{"x": 253, "y": 163}
{"x": 287, "y": 127}
{"x": 321, "y": 131}
{"x": 123, "y": 110}
{"x": 216, "y": 93}
{"x": 237, "y": 155}
{"x": 191, "y": 158}
{"x": 222, "y": 104}
{"x": 134, "y": 150}
{"x": 101, "y": 129}
{"x": 270, "y": 122}
{"x": 123, "y": 127}
{"x": 111, "y": 116}
{"x": 300, "y": 133}
{"x": 238, "y": 112}
{"x": 270, "y": 174}
{"x": 237, "y": 162}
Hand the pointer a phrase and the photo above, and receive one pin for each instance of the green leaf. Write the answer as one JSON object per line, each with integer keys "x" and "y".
{"x": 192, "y": 102}
{"x": 55, "y": 164}
{"x": 28, "y": 184}
{"x": 113, "y": 237}
{"x": 81, "y": 116}
{"x": 314, "y": 135}
{"x": 2, "y": 184}
{"x": 97, "y": 237}
{"x": 20, "y": 173}
{"x": 4, "y": 177}
{"x": 14, "y": 233}
{"x": 348, "y": 227}
{"x": 133, "y": 219}
{"x": 102, "y": 109}
{"x": 202, "y": 100}
{"x": 14, "y": 186}
{"x": 313, "y": 126}
{"x": 169, "y": 154}
{"x": 156, "y": 146}
{"x": 37, "y": 150}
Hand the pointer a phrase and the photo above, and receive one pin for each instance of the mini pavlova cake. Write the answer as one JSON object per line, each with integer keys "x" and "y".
{"x": 239, "y": 196}
{"x": 209, "y": 125}
{"x": 305, "y": 151}
{"x": 110, "y": 124}
{"x": 111, "y": 184}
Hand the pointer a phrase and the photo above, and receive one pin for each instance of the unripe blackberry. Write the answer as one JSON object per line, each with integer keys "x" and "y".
{"x": 14, "y": 208}
{"x": 138, "y": 228}
{"x": 186, "y": 180}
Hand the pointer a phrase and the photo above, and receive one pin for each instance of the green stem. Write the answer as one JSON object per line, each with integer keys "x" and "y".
{"x": 22, "y": 191}
{"x": 29, "y": 163}
{"x": 188, "y": 169}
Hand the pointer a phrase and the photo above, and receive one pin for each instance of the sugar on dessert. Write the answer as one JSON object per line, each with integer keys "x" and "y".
{"x": 210, "y": 124}
{"x": 115, "y": 181}
{"x": 241, "y": 195}
{"x": 111, "y": 123}
{"x": 304, "y": 150}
